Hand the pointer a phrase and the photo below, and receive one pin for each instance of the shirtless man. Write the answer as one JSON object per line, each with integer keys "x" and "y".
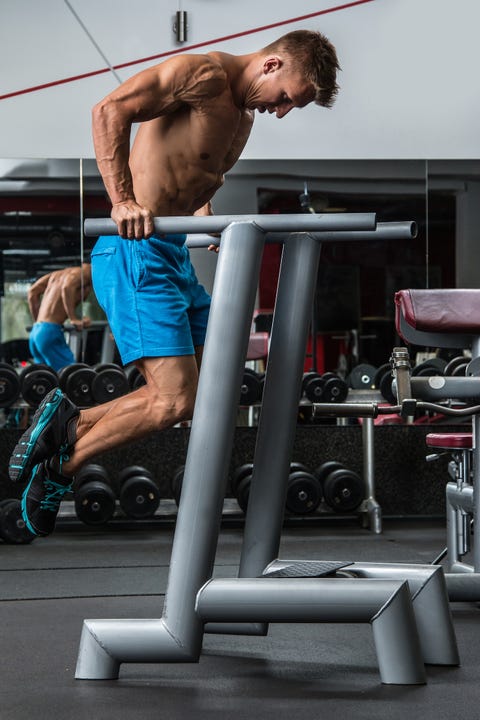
{"x": 52, "y": 299}
{"x": 195, "y": 113}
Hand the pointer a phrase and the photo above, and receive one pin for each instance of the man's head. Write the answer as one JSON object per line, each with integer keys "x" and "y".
{"x": 313, "y": 56}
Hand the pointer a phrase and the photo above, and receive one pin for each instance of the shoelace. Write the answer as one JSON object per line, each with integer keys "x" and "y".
{"x": 54, "y": 496}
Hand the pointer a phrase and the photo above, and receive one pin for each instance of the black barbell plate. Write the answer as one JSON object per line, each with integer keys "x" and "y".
{"x": 13, "y": 529}
{"x": 343, "y": 490}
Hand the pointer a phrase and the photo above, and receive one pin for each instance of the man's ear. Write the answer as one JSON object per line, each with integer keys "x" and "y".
{"x": 272, "y": 64}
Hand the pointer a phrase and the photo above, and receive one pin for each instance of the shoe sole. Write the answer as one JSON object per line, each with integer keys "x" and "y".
{"x": 26, "y": 450}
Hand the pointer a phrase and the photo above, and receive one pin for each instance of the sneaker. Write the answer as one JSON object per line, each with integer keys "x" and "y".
{"x": 42, "y": 497}
{"x": 52, "y": 432}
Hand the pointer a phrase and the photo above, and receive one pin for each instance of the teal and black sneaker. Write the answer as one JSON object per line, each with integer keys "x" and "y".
{"x": 52, "y": 432}
{"x": 42, "y": 497}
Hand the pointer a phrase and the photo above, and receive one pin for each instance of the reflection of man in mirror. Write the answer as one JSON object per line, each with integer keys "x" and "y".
{"x": 52, "y": 300}
{"x": 195, "y": 114}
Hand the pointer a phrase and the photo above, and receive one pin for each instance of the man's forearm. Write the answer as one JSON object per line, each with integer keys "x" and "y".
{"x": 111, "y": 140}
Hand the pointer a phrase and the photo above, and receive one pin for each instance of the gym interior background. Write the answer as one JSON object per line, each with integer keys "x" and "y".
{"x": 402, "y": 142}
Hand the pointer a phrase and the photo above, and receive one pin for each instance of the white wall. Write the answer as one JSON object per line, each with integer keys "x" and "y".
{"x": 409, "y": 85}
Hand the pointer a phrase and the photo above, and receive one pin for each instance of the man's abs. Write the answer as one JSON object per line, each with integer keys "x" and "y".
{"x": 177, "y": 162}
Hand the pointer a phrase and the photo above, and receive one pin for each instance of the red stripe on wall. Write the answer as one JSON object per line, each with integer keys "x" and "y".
{"x": 183, "y": 49}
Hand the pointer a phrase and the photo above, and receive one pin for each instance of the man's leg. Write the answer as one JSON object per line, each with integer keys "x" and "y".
{"x": 166, "y": 399}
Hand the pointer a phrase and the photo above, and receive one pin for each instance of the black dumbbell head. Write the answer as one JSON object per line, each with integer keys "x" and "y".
{"x": 12, "y": 525}
{"x": 139, "y": 495}
{"x": 343, "y": 490}
{"x": 303, "y": 493}
{"x": 9, "y": 385}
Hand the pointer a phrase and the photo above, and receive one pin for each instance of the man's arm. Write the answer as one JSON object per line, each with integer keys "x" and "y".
{"x": 156, "y": 91}
{"x": 71, "y": 295}
{"x": 34, "y": 295}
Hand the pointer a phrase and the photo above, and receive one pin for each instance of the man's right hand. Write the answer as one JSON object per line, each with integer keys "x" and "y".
{"x": 133, "y": 221}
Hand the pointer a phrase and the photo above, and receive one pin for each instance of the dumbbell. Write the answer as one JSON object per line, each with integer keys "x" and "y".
{"x": 304, "y": 492}
{"x": 252, "y": 387}
{"x": 456, "y": 367}
{"x": 76, "y": 382}
{"x": 94, "y": 495}
{"x": 240, "y": 484}
{"x": 36, "y": 381}
{"x": 432, "y": 367}
{"x": 176, "y": 483}
{"x": 109, "y": 382}
{"x": 134, "y": 377}
{"x": 139, "y": 495}
{"x": 362, "y": 377}
{"x": 9, "y": 385}
{"x": 326, "y": 388}
{"x": 12, "y": 525}
{"x": 342, "y": 489}
{"x": 383, "y": 382}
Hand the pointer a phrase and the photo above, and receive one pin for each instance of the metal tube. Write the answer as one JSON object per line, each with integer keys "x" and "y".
{"x": 213, "y": 426}
{"x": 370, "y": 505}
{"x": 463, "y": 585}
{"x": 278, "y": 416}
{"x": 265, "y": 223}
{"x": 430, "y": 604}
{"x": 384, "y": 231}
{"x": 386, "y": 604}
{"x": 438, "y": 388}
{"x": 293, "y": 599}
{"x": 178, "y": 636}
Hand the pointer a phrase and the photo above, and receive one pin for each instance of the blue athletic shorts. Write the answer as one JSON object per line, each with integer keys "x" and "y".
{"x": 47, "y": 345}
{"x": 153, "y": 301}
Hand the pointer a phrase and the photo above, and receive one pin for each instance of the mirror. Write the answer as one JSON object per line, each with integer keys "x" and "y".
{"x": 43, "y": 203}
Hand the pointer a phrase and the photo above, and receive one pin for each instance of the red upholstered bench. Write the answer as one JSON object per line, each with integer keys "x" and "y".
{"x": 450, "y": 441}
{"x": 438, "y": 318}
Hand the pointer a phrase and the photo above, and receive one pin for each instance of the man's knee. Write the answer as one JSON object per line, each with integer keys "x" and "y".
{"x": 167, "y": 410}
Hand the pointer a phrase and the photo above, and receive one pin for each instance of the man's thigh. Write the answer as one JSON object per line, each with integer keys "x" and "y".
{"x": 170, "y": 375}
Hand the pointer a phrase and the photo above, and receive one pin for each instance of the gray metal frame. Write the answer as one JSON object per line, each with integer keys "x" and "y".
{"x": 462, "y": 497}
{"x": 193, "y": 601}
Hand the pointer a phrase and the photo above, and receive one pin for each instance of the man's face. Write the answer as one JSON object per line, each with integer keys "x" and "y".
{"x": 282, "y": 90}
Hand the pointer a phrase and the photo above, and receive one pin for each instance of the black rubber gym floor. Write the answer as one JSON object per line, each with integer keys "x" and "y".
{"x": 302, "y": 671}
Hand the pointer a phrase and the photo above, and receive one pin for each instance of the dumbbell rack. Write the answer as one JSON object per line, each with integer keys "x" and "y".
{"x": 407, "y": 630}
